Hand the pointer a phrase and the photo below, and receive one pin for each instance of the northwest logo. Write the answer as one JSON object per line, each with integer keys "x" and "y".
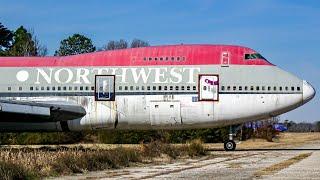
{"x": 123, "y": 75}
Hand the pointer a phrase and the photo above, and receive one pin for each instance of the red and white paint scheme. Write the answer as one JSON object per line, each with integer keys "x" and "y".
{"x": 160, "y": 87}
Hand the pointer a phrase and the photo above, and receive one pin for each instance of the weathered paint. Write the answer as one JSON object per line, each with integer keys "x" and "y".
{"x": 137, "y": 105}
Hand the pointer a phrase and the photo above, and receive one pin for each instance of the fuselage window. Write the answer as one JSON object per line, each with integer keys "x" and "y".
{"x": 234, "y": 88}
{"x": 188, "y": 88}
{"x": 178, "y": 58}
{"x": 150, "y": 58}
{"x": 269, "y": 88}
{"x": 251, "y": 88}
{"x": 92, "y": 88}
{"x": 167, "y": 58}
{"x": 37, "y": 88}
{"x": 9, "y": 88}
{"x": 131, "y": 88}
{"x": 222, "y": 88}
{"x": 154, "y": 88}
{"x": 20, "y": 88}
{"x": 177, "y": 88}
{"x": 298, "y": 88}
{"x": 262, "y": 88}
{"x": 204, "y": 88}
{"x": 142, "y": 87}
{"x": 257, "y": 88}
{"x": 280, "y": 88}
{"x": 159, "y": 88}
{"x": 246, "y": 88}
{"x": 42, "y": 88}
{"x": 64, "y": 88}
{"x": 183, "y": 58}
{"x": 240, "y": 88}
{"x": 126, "y": 88}
{"x": 120, "y": 88}
{"x": 165, "y": 88}
{"x": 70, "y": 88}
{"x": 145, "y": 58}
{"x": 155, "y": 59}
{"x": 172, "y": 58}
{"x": 286, "y": 88}
{"x": 292, "y": 88}
{"x": 137, "y": 88}
{"x": 274, "y": 88}
{"x": 171, "y": 88}
{"x": 148, "y": 88}
{"x": 161, "y": 58}
{"x": 75, "y": 88}
{"x": 194, "y": 88}
{"x": 228, "y": 88}
{"x": 182, "y": 88}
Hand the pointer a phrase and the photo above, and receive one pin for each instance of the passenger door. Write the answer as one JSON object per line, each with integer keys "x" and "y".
{"x": 225, "y": 58}
{"x": 104, "y": 87}
{"x": 208, "y": 87}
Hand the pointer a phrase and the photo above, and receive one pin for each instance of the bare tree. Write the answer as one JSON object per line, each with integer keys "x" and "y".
{"x": 139, "y": 43}
{"x": 41, "y": 50}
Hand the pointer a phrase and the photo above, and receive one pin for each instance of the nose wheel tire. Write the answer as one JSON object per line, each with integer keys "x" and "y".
{"x": 229, "y": 145}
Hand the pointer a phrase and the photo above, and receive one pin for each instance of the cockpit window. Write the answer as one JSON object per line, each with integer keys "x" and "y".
{"x": 253, "y": 56}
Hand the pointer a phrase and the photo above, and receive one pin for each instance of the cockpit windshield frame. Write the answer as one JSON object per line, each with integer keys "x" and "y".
{"x": 253, "y": 56}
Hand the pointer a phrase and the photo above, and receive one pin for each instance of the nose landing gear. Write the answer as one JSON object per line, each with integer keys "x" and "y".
{"x": 230, "y": 145}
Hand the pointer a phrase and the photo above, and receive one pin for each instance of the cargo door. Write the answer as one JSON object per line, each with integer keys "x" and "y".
{"x": 165, "y": 113}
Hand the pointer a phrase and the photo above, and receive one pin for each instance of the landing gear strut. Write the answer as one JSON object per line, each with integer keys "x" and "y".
{"x": 230, "y": 145}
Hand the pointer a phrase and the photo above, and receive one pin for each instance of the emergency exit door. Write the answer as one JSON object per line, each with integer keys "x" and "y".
{"x": 208, "y": 87}
{"x": 105, "y": 87}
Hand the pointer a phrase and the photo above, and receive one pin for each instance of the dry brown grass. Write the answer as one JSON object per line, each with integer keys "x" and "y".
{"x": 282, "y": 165}
{"x": 285, "y": 140}
{"x": 26, "y": 163}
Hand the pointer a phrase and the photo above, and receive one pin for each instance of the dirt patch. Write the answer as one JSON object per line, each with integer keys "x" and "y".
{"x": 282, "y": 165}
{"x": 235, "y": 165}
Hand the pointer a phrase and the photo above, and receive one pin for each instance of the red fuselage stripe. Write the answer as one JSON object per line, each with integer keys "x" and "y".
{"x": 160, "y": 55}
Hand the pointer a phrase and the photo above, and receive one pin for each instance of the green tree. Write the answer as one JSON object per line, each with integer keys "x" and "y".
{"x": 139, "y": 43}
{"x": 75, "y": 44}
{"x": 6, "y": 37}
{"x": 23, "y": 43}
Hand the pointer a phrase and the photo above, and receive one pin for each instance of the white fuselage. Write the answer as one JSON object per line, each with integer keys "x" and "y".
{"x": 159, "y": 97}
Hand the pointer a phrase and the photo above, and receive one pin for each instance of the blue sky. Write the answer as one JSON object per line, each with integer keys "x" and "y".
{"x": 286, "y": 32}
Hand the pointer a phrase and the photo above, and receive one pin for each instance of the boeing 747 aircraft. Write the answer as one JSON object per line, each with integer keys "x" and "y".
{"x": 160, "y": 87}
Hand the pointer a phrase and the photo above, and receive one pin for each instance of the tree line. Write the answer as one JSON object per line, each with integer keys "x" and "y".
{"x": 23, "y": 42}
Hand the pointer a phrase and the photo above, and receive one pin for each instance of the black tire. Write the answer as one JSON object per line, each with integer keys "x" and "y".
{"x": 229, "y": 145}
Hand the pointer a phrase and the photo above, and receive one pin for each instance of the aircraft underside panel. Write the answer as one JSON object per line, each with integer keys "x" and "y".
{"x": 168, "y": 112}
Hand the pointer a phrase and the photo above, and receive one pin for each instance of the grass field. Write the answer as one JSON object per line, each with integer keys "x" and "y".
{"x": 285, "y": 140}
{"x": 37, "y": 161}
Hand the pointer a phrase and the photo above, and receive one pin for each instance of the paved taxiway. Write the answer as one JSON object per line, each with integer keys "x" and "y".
{"x": 246, "y": 164}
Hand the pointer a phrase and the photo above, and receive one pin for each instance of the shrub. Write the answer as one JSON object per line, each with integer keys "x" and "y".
{"x": 9, "y": 170}
{"x": 156, "y": 148}
{"x": 196, "y": 148}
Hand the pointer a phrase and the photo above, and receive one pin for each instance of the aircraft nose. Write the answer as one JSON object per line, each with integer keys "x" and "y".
{"x": 308, "y": 92}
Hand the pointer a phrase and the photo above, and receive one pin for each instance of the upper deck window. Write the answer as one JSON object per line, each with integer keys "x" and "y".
{"x": 253, "y": 56}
